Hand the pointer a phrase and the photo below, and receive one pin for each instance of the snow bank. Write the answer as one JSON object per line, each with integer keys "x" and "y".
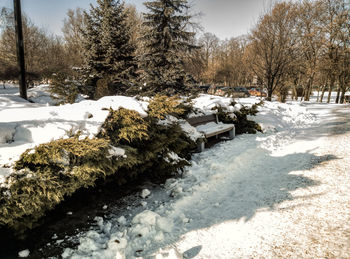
{"x": 205, "y": 103}
{"x": 275, "y": 116}
{"x": 25, "y": 126}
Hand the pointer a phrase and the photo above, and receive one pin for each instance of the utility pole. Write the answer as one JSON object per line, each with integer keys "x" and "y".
{"x": 20, "y": 48}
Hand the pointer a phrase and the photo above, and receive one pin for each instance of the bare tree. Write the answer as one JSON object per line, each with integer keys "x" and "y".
{"x": 43, "y": 53}
{"x": 311, "y": 40}
{"x": 273, "y": 42}
{"x": 73, "y": 28}
{"x": 210, "y": 45}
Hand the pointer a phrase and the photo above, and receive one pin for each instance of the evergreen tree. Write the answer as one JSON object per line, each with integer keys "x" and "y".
{"x": 166, "y": 42}
{"x": 109, "y": 54}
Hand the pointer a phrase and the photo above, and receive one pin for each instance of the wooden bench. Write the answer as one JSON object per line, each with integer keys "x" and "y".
{"x": 210, "y": 126}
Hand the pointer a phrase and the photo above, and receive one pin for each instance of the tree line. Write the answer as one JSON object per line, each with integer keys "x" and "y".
{"x": 109, "y": 49}
{"x": 294, "y": 47}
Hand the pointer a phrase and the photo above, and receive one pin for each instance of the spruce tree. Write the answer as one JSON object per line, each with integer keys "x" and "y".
{"x": 166, "y": 43}
{"x": 109, "y": 53}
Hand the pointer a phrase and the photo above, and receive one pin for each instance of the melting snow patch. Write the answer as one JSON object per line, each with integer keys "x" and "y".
{"x": 172, "y": 158}
{"x": 116, "y": 152}
{"x": 121, "y": 220}
{"x": 7, "y": 132}
{"x": 190, "y": 131}
{"x": 24, "y": 253}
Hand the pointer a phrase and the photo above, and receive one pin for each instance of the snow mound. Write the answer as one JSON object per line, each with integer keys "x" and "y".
{"x": 206, "y": 103}
{"x": 275, "y": 116}
{"x": 147, "y": 227}
{"x": 7, "y": 131}
{"x": 25, "y": 126}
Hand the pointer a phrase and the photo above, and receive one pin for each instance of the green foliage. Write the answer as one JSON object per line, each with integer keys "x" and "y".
{"x": 242, "y": 124}
{"x": 124, "y": 126}
{"x": 166, "y": 44}
{"x": 62, "y": 152}
{"x": 63, "y": 89}
{"x": 102, "y": 88}
{"x": 162, "y": 105}
{"x": 108, "y": 51}
{"x": 50, "y": 172}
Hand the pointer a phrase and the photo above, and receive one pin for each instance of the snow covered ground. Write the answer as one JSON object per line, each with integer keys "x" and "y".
{"x": 284, "y": 193}
{"x": 281, "y": 194}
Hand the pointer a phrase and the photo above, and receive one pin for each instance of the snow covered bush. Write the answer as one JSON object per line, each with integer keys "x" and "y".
{"x": 151, "y": 142}
{"x": 124, "y": 126}
{"x": 128, "y": 145}
{"x": 242, "y": 124}
{"x": 48, "y": 173}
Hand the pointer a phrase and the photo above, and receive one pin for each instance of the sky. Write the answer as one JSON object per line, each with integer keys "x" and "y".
{"x": 224, "y": 18}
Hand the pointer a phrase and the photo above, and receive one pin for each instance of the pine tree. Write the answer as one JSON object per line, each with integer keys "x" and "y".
{"x": 166, "y": 42}
{"x": 109, "y": 54}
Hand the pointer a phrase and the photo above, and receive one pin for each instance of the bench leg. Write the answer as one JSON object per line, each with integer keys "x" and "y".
{"x": 201, "y": 146}
{"x": 232, "y": 133}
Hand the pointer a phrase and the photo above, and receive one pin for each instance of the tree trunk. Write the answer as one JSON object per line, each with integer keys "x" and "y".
{"x": 318, "y": 93}
{"x": 342, "y": 87}
{"x": 338, "y": 94}
{"x": 330, "y": 89}
{"x": 294, "y": 92}
{"x": 269, "y": 94}
{"x": 342, "y": 97}
{"x": 322, "y": 94}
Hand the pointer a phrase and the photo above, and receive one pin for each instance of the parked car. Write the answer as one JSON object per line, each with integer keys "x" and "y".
{"x": 204, "y": 88}
{"x": 257, "y": 92}
{"x": 240, "y": 92}
{"x": 235, "y": 92}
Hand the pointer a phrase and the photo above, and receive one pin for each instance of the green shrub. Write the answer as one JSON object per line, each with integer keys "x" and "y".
{"x": 50, "y": 172}
{"x": 124, "y": 126}
{"x": 164, "y": 105}
{"x": 63, "y": 89}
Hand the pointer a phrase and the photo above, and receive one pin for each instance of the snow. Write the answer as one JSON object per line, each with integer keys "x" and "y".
{"x": 206, "y": 103}
{"x": 282, "y": 193}
{"x": 116, "y": 152}
{"x": 25, "y": 125}
{"x": 172, "y": 158}
{"x": 191, "y": 132}
{"x": 212, "y": 127}
{"x": 24, "y": 253}
{"x": 145, "y": 193}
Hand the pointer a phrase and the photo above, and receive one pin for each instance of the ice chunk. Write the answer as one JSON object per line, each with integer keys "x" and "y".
{"x": 24, "y": 253}
{"x": 145, "y": 193}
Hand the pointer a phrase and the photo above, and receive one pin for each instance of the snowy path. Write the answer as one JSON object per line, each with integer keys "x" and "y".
{"x": 293, "y": 202}
{"x": 278, "y": 195}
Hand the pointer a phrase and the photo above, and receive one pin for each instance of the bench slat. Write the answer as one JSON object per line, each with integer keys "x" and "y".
{"x": 195, "y": 121}
{"x": 212, "y": 133}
